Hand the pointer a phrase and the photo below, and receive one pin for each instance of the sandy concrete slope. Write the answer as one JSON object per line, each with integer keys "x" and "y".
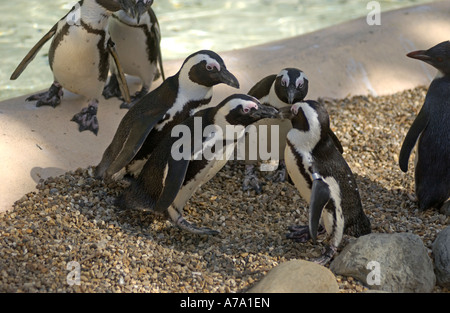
{"x": 351, "y": 58}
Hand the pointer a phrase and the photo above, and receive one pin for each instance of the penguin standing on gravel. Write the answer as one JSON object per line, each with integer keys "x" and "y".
{"x": 137, "y": 37}
{"x": 170, "y": 177}
{"x": 177, "y": 98}
{"x": 431, "y": 132}
{"x": 79, "y": 57}
{"x": 280, "y": 90}
{"x": 323, "y": 178}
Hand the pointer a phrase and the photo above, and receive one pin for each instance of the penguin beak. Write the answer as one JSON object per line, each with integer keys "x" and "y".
{"x": 264, "y": 111}
{"x": 227, "y": 78}
{"x": 420, "y": 55}
{"x": 285, "y": 113}
{"x": 291, "y": 95}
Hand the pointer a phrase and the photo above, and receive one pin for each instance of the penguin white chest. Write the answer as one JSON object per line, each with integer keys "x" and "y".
{"x": 292, "y": 166}
{"x": 131, "y": 46}
{"x": 76, "y": 62}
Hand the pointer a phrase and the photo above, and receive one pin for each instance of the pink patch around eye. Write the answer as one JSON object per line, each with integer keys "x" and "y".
{"x": 294, "y": 109}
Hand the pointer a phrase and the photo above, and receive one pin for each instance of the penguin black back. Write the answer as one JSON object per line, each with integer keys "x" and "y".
{"x": 431, "y": 132}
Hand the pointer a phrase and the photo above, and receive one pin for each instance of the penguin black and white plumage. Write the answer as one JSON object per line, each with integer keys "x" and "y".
{"x": 137, "y": 40}
{"x": 177, "y": 98}
{"x": 79, "y": 57}
{"x": 323, "y": 178}
{"x": 280, "y": 90}
{"x": 431, "y": 132}
{"x": 183, "y": 161}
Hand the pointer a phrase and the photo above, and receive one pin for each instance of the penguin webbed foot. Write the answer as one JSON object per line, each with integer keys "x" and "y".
{"x": 52, "y": 97}
{"x": 326, "y": 256}
{"x": 112, "y": 89}
{"x": 278, "y": 175}
{"x": 192, "y": 228}
{"x": 87, "y": 119}
{"x": 301, "y": 233}
{"x": 251, "y": 180}
{"x": 135, "y": 98}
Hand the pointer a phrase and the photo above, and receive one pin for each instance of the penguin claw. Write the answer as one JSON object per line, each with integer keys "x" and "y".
{"x": 52, "y": 97}
{"x": 192, "y": 228}
{"x": 251, "y": 181}
{"x": 112, "y": 89}
{"x": 279, "y": 175}
{"x": 298, "y": 233}
{"x": 301, "y": 233}
{"x": 87, "y": 119}
{"x": 326, "y": 256}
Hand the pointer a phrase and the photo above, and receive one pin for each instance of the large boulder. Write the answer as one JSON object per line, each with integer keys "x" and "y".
{"x": 389, "y": 262}
{"x": 441, "y": 253}
{"x": 297, "y": 276}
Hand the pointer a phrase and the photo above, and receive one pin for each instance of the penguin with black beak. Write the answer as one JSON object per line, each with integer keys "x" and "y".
{"x": 280, "y": 90}
{"x": 430, "y": 132}
{"x": 146, "y": 123}
{"x": 79, "y": 58}
{"x": 322, "y": 177}
{"x": 137, "y": 36}
{"x": 183, "y": 162}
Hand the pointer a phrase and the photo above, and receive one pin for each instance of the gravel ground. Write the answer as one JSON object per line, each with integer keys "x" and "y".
{"x": 72, "y": 218}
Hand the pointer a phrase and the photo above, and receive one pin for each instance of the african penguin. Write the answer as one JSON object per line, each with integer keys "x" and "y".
{"x": 323, "y": 178}
{"x": 137, "y": 37}
{"x": 431, "y": 132}
{"x": 178, "y": 97}
{"x": 168, "y": 180}
{"x": 79, "y": 57}
{"x": 290, "y": 85}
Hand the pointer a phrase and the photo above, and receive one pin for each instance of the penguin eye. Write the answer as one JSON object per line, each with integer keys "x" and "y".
{"x": 439, "y": 59}
{"x": 209, "y": 67}
{"x": 283, "y": 83}
{"x": 246, "y": 109}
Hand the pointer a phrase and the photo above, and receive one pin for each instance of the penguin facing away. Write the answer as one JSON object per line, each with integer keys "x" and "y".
{"x": 154, "y": 115}
{"x": 290, "y": 85}
{"x": 167, "y": 181}
{"x": 430, "y": 132}
{"x": 79, "y": 57}
{"x": 323, "y": 178}
{"x": 137, "y": 38}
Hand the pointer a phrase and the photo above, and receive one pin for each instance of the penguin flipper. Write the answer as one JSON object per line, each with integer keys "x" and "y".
{"x": 123, "y": 85}
{"x": 336, "y": 141}
{"x": 320, "y": 195}
{"x": 417, "y": 127}
{"x": 172, "y": 183}
{"x": 142, "y": 126}
{"x": 33, "y": 52}
{"x": 262, "y": 88}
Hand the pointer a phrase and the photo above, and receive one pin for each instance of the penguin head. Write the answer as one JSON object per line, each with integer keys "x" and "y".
{"x": 117, "y": 5}
{"x": 241, "y": 109}
{"x": 139, "y": 8}
{"x": 291, "y": 85}
{"x": 206, "y": 68}
{"x": 437, "y": 56}
{"x": 307, "y": 116}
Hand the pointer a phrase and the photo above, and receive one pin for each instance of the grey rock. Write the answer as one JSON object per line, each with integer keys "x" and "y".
{"x": 445, "y": 208}
{"x": 297, "y": 276}
{"x": 441, "y": 253}
{"x": 389, "y": 262}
